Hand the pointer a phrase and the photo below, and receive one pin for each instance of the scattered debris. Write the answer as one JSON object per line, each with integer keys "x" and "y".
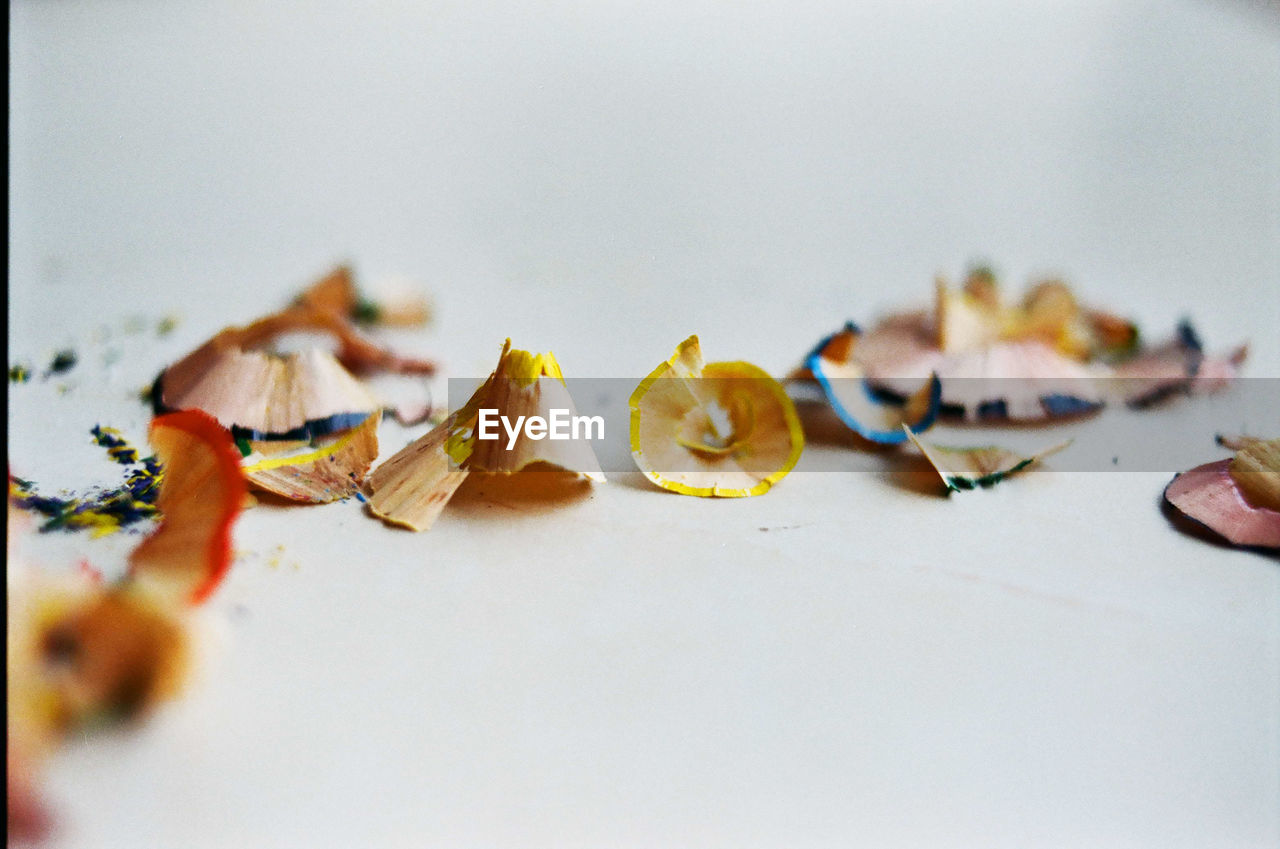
{"x": 101, "y": 511}
{"x": 119, "y": 449}
{"x": 84, "y": 655}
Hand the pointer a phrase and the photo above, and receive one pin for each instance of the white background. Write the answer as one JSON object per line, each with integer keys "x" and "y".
{"x": 1046, "y": 663}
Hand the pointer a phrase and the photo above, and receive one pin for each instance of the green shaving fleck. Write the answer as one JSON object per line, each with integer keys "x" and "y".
{"x": 366, "y": 312}
{"x": 961, "y": 483}
{"x": 982, "y": 271}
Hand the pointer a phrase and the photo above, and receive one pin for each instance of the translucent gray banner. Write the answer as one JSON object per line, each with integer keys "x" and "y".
{"x": 1169, "y": 430}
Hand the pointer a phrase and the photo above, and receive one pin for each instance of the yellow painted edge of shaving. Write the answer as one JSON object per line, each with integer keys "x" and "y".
{"x": 525, "y": 366}
{"x": 301, "y": 459}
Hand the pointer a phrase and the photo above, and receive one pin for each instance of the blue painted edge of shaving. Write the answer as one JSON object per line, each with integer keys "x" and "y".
{"x": 813, "y": 362}
{"x": 1190, "y": 340}
{"x": 309, "y": 430}
{"x": 1058, "y": 404}
{"x": 1188, "y": 336}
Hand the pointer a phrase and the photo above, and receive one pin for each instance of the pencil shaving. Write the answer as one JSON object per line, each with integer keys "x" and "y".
{"x": 1045, "y": 357}
{"x": 201, "y": 495}
{"x": 983, "y": 466}
{"x": 1237, "y": 499}
{"x": 724, "y": 429}
{"x": 834, "y": 364}
{"x": 413, "y": 486}
{"x": 305, "y": 471}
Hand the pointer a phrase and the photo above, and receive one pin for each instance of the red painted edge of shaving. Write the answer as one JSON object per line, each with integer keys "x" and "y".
{"x": 205, "y": 428}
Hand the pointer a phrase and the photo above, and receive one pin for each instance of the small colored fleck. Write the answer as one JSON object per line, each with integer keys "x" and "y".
{"x": 63, "y": 361}
{"x": 167, "y": 325}
{"x": 119, "y": 449}
{"x": 366, "y": 312}
{"x": 20, "y": 373}
{"x": 89, "y": 571}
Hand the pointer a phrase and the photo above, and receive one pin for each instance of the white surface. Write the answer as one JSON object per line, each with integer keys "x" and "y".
{"x": 1047, "y": 663}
